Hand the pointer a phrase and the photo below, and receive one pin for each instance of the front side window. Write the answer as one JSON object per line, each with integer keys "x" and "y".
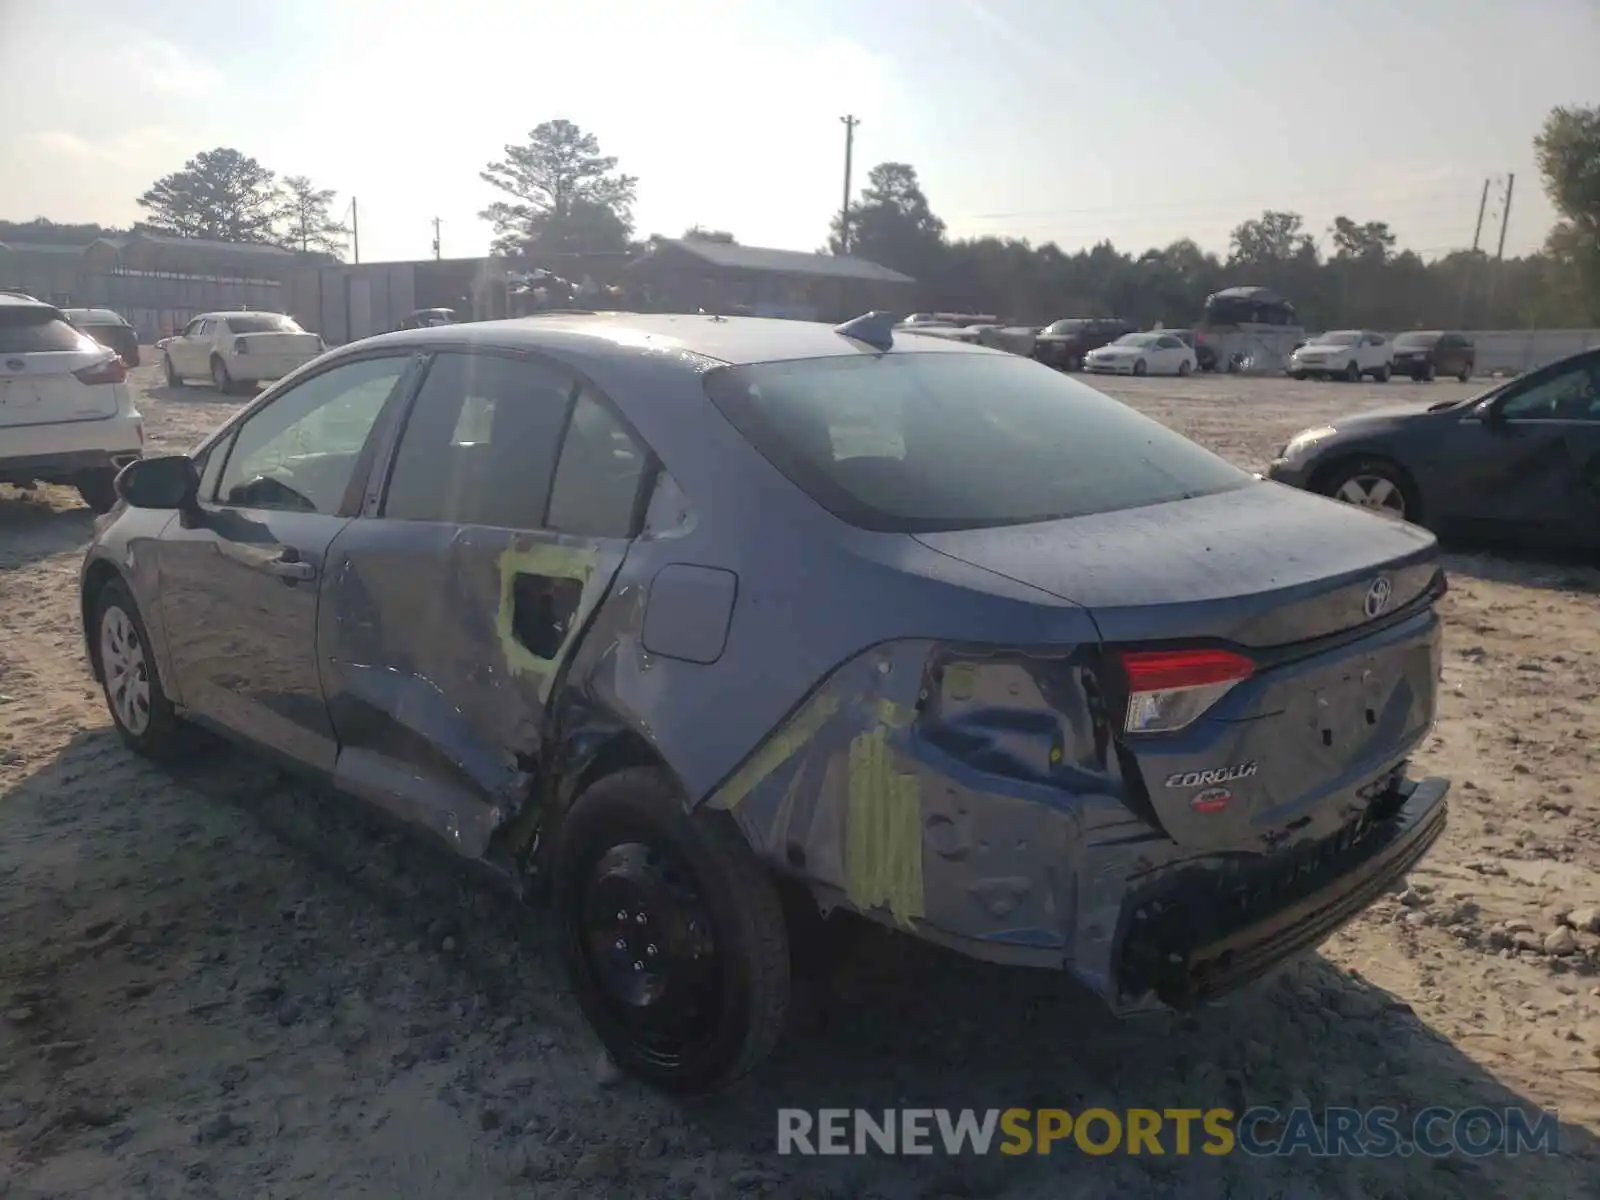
{"x": 480, "y": 445}
{"x": 1572, "y": 393}
{"x": 915, "y": 442}
{"x": 192, "y": 329}
{"x": 299, "y": 453}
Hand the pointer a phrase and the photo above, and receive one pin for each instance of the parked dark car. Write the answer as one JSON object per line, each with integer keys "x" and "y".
{"x": 427, "y": 318}
{"x": 110, "y": 329}
{"x": 704, "y": 627}
{"x": 1064, "y": 343}
{"x": 1522, "y": 459}
{"x": 1424, "y": 355}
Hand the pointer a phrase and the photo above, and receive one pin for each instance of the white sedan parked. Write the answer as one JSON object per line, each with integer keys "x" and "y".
{"x": 1142, "y": 354}
{"x": 231, "y": 348}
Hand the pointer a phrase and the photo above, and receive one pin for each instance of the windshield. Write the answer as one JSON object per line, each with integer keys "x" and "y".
{"x": 916, "y": 442}
{"x": 1416, "y": 341}
{"x": 263, "y": 323}
{"x": 1136, "y": 339}
{"x": 1067, "y": 327}
{"x": 1336, "y": 339}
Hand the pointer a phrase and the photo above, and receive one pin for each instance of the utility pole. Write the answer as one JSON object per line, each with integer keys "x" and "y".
{"x": 436, "y": 239}
{"x": 1483, "y": 203}
{"x": 355, "y": 228}
{"x": 1505, "y": 217}
{"x": 850, "y": 123}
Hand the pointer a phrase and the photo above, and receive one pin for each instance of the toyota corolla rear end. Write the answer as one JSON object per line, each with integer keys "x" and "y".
{"x": 1215, "y": 776}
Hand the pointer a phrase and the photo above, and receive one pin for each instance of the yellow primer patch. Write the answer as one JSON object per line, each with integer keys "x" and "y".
{"x": 778, "y": 750}
{"x": 895, "y": 716}
{"x": 883, "y": 839}
{"x": 552, "y": 562}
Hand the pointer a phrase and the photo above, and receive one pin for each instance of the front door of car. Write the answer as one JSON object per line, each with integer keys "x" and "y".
{"x": 181, "y": 348}
{"x": 490, "y": 535}
{"x": 1528, "y": 459}
{"x": 240, "y": 578}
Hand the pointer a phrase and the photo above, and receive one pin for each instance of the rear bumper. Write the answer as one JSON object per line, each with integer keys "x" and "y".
{"x": 258, "y": 368}
{"x": 58, "y": 452}
{"x": 1203, "y": 934}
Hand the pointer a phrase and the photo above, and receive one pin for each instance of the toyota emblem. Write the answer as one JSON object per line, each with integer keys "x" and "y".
{"x": 1378, "y": 596}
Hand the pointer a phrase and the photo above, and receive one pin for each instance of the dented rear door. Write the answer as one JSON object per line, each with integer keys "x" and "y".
{"x": 454, "y": 603}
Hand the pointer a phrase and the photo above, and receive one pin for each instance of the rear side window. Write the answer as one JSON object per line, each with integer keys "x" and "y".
{"x": 596, "y": 492}
{"x": 913, "y": 442}
{"x": 481, "y": 442}
{"x": 28, "y": 330}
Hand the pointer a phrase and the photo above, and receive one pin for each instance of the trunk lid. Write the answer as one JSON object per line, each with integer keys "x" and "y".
{"x": 39, "y": 352}
{"x": 1344, "y": 677}
{"x": 289, "y": 345}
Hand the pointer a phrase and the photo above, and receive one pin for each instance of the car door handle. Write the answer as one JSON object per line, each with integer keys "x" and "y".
{"x": 285, "y": 568}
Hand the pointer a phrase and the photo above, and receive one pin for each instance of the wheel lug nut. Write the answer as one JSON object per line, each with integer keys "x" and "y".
{"x": 621, "y": 945}
{"x": 650, "y": 951}
{"x": 638, "y": 966}
{"x": 639, "y": 920}
{"x": 622, "y": 915}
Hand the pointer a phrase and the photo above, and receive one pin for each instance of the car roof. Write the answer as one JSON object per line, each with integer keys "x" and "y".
{"x": 18, "y": 300}
{"x": 726, "y": 340}
{"x": 95, "y": 314}
{"x": 238, "y": 312}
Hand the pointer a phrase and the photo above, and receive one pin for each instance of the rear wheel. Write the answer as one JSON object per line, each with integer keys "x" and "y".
{"x": 144, "y": 717}
{"x": 1381, "y": 374}
{"x": 1184, "y": 368}
{"x": 220, "y": 376}
{"x": 1352, "y": 372}
{"x": 173, "y": 378}
{"x": 98, "y": 488}
{"x": 1300, "y": 375}
{"x": 1141, "y": 367}
{"x": 1428, "y": 373}
{"x": 1377, "y": 486}
{"x": 1465, "y": 375}
{"x": 673, "y": 933}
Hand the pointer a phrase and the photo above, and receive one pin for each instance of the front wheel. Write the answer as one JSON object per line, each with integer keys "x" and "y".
{"x": 144, "y": 717}
{"x": 220, "y": 376}
{"x": 1184, "y": 368}
{"x": 673, "y": 934}
{"x": 1352, "y": 372}
{"x": 98, "y": 488}
{"x": 1141, "y": 367}
{"x": 1300, "y": 375}
{"x": 1377, "y": 486}
{"x": 1465, "y": 375}
{"x": 173, "y": 378}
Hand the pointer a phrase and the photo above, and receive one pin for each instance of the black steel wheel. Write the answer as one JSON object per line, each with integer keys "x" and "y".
{"x": 674, "y": 934}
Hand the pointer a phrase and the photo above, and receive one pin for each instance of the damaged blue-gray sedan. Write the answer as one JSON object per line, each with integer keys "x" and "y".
{"x": 705, "y": 626}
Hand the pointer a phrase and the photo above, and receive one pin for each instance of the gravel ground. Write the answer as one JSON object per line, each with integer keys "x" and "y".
{"x": 220, "y": 984}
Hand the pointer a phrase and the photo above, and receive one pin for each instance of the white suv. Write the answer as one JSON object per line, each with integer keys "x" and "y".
{"x": 66, "y": 414}
{"x": 1346, "y": 354}
{"x": 231, "y": 348}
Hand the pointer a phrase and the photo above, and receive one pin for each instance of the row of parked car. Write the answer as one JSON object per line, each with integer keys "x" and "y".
{"x": 1354, "y": 354}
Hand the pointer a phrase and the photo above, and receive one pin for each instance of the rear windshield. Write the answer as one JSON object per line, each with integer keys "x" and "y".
{"x": 917, "y": 442}
{"x": 36, "y": 331}
{"x": 1416, "y": 341}
{"x": 1068, "y": 327}
{"x": 263, "y": 324}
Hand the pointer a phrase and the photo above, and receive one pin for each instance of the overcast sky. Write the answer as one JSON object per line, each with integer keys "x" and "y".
{"x": 1135, "y": 121}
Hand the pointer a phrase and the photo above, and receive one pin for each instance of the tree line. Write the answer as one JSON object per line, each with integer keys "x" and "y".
{"x": 561, "y": 197}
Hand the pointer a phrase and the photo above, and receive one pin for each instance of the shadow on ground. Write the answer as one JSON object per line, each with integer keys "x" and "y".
{"x": 33, "y": 525}
{"x": 898, "y": 1025}
{"x": 1505, "y": 564}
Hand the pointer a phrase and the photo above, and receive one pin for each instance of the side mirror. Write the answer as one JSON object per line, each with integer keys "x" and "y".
{"x": 169, "y": 482}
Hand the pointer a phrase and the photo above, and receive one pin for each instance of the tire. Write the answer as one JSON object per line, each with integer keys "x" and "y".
{"x": 1465, "y": 375}
{"x": 220, "y": 376}
{"x": 1300, "y": 375}
{"x": 173, "y": 378}
{"x": 1141, "y": 368}
{"x": 1376, "y": 485}
{"x": 98, "y": 488}
{"x": 1352, "y": 372}
{"x": 127, "y": 666}
{"x": 1183, "y": 369}
{"x": 1429, "y": 372}
{"x": 627, "y": 847}
{"x": 1381, "y": 375}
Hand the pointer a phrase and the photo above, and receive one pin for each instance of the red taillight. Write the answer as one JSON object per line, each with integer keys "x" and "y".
{"x": 1168, "y": 689}
{"x": 111, "y": 370}
{"x": 239, "y": 345}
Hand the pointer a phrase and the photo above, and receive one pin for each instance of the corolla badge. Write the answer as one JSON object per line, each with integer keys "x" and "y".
{"x": 1378, "y": 596}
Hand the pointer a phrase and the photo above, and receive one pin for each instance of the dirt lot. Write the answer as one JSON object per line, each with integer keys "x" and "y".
{"x": 219, "y": 984}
